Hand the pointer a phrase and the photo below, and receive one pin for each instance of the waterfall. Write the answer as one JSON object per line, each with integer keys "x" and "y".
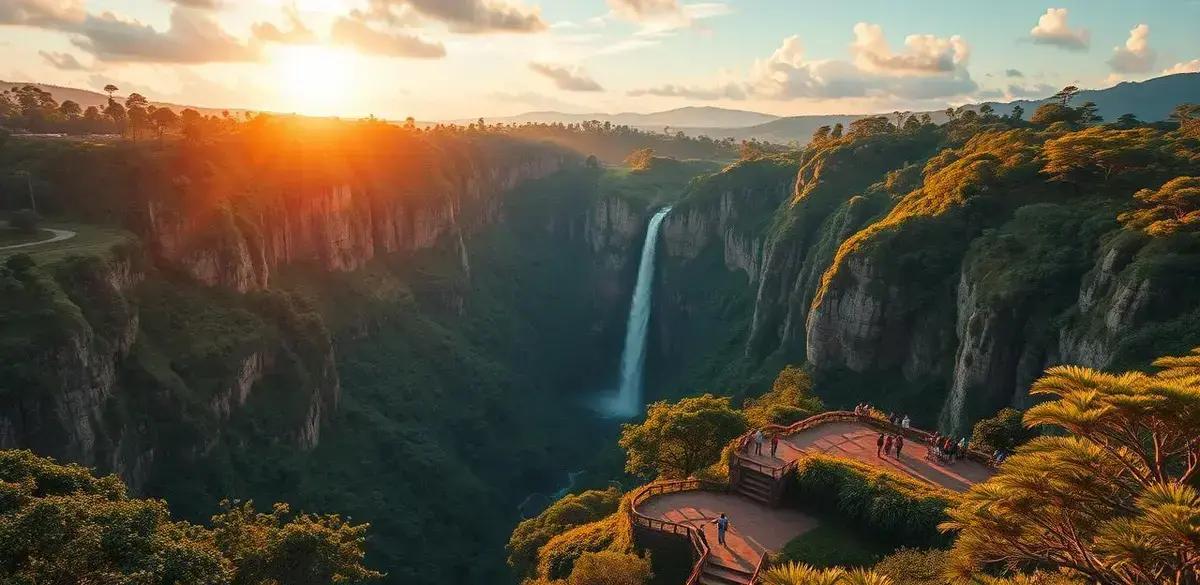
{"x": 628, "y": 401}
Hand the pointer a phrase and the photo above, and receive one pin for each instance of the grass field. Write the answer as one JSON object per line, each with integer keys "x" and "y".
{"x": 90, "y": 240}
{"x": 11, "y": 237}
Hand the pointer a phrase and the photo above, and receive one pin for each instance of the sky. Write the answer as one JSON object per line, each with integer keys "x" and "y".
{"x": 456, "y": 59}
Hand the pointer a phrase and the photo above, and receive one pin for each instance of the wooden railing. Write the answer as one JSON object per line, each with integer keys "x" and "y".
{"x": 762, "y": 566}
{"x": 700, "y": 550}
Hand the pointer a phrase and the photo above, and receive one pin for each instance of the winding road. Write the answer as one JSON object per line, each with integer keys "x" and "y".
{"x": 59, "y": 236}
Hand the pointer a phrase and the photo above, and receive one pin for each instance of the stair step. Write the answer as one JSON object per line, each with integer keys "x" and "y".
{"x": 758, "y": 489}
{"x": 757, "y": 479}
{"x": 758, "y": 497}
{"x": 714, "y": 574}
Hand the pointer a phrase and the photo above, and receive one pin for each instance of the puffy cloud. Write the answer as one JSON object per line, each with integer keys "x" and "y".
{"x": 1136, "y": 56}
{"x": 297, "y": 32}
{"x": 201, "y": 4}
{"x": 192, "y": 37}
{"x": 45, "y": 13}
{"x": 924, "y": 54}
{"x": 1052, "y": 29}
{"x": 1192, "y": 66}
{"x": 1040, "y": 90}
{"x": 64, "y": 61}
{"x": 1013, "y": 73}
{"x": 477, "y": 16}
{"x": 357, "y": 33}
{"x": 566, "y": 79}
{"x": 730, "y": 91}
{"x": 920, "y": 73}
{"x": 642, "y": 10}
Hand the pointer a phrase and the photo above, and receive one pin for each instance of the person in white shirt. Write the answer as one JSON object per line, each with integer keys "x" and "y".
{"x": 905, "y": 422}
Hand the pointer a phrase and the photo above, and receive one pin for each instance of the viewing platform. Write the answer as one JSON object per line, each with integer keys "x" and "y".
{"x": 687, "y": 508}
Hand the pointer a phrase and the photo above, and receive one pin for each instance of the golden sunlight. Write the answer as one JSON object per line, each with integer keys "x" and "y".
{"x": 315, "y": 79}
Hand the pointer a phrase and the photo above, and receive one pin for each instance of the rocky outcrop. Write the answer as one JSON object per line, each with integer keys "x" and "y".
{"x": 336, "y": 224}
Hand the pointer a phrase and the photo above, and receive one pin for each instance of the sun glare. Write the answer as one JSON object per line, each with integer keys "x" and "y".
{"x": 315, "y": 80}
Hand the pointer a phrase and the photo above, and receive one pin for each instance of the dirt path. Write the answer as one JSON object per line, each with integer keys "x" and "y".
{"x": 59, "y": 236}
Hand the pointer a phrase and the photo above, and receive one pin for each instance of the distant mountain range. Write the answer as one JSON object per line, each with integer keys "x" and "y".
{"x": 1151, "y": 100}
{"x": 691, "y": 116}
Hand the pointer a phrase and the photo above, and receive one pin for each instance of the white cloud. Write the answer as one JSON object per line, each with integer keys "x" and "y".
{"x": 1052, "y": 29}
{"x": 1040, "y": 90}
{"x": 566, "y": 79}
{"x": 296, "y": 33}
{"x": 643, "y": 10}
{"x": 64, "y": 61}
{"x": 924, "y": 54}
{"x": 358, "y": 34}
{"x": 1192, "y": 66}
{"x": 193, "y": 37}
{"x": 473, "y": 16}
{"x": 930, "y": 67}
{"x": 47, "y": 13}
{"x": 1136, "y": 56}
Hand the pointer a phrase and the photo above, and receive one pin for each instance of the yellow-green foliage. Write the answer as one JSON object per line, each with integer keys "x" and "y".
{"x": 790, "y": 399}
{"x": 1102, "y": 153}
{"x": 1174, "y": 207}
{"x": 802, "y": 574}
{"x": 909, "y": 566}
{"x": 678, "y": 439}
{"x": 610, "y": 568}
{"x": 571, "y": 511}
{"x": 879, "y": 501}
{"x": 59, "y": 524}
{"x": 1113, "y": 500}
{"x": 557, "y": 557}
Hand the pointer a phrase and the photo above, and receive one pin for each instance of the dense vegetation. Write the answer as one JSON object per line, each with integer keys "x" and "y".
{"x": 61, "y": 524}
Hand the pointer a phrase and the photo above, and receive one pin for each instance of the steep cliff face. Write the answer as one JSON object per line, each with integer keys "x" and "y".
{"x": 338, "y": 222}
{"x": 76, "y": 374}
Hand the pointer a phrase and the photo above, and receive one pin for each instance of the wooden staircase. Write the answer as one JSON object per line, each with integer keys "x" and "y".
{"x": 718, "y": 574}
{"x": 756, "y": 485}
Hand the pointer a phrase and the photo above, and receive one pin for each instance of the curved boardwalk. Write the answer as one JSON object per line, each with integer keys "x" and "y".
{"x": 756, "y": 527}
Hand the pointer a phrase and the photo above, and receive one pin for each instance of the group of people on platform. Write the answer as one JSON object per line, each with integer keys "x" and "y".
{"x": 758, "y": 439}
{"x": 886, "y": 443}
{"x": 900, "y": 420}
{"x": 944, "y": 448}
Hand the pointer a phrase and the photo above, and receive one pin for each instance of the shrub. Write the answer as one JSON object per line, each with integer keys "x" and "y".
{"x": 789, "y": 400}
{"x": 908, "y": 566}
{"x": 569, "y": 512}
{"x": 879, "y": 502}
{"x": 610, "y": 568}
{"x": 25, "y": 221}
{"x": 556, "y": 560}
{"x": 1004, "y": 431}
{"x": 678, "y": 439}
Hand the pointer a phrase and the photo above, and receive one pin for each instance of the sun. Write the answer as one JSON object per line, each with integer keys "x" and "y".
{"x": 315, "y": 79}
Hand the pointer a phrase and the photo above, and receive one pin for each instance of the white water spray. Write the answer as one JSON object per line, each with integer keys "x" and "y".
{"x": 628, "y": 401}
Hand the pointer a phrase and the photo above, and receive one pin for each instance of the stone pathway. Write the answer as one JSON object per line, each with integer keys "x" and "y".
{"x": 59, "y": 235}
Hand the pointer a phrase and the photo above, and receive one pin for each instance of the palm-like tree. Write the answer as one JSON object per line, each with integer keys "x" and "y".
{"x": 802, "y": 574}
{"x": 1113, "y": 501}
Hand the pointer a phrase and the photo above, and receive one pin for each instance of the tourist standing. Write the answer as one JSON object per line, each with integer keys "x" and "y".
{"x": 887, "y": 445}
{"x": 899, "y": 445}
{"x": 722, "y": 525}
{"x": 879, "y": 446}
{"x": 774, "y": 444}
{"x": 758, "y": 441}
{"x": 904, "y": 422}
{"x": 962, "y": 447}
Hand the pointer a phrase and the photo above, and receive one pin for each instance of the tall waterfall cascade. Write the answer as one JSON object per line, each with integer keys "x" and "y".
{"x": 627, "y": 403}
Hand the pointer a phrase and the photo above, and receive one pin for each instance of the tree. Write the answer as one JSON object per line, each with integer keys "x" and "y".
{"x": 136, "y": 100}
{"x": 70, "y": 109}
{"x": 1099, "y": 152}
{"x": 110, "y": 89}
{"x": 640, "y": 159}
{"x": 820, "y": 134}
{"x": 1017, "y": 113}
{"x": 115, "y": 112}
{"x": 570, "y": 511}
{"x": 1065, "y": 95}
{"x": 1172, "y": 208}
{"x": 870, "y": 126}
{"x": 1188, "y": 118}
{"x": 837, "y": 131}
{"x": 163, "y": 119}
{"x": 1114, "y": 499}
{"x": 1052, "y": 112}
{"x": 1089, "y": 113}
{"x": 61, "y": 524}
{"x": 676, "y": 440}
{"x": 790, "y": 399}
{"x": 1127, "y": 121}
{"x": 609, "y": 568}
{"x": 1004, "y": 431}
{"x": 987, "y": 111}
